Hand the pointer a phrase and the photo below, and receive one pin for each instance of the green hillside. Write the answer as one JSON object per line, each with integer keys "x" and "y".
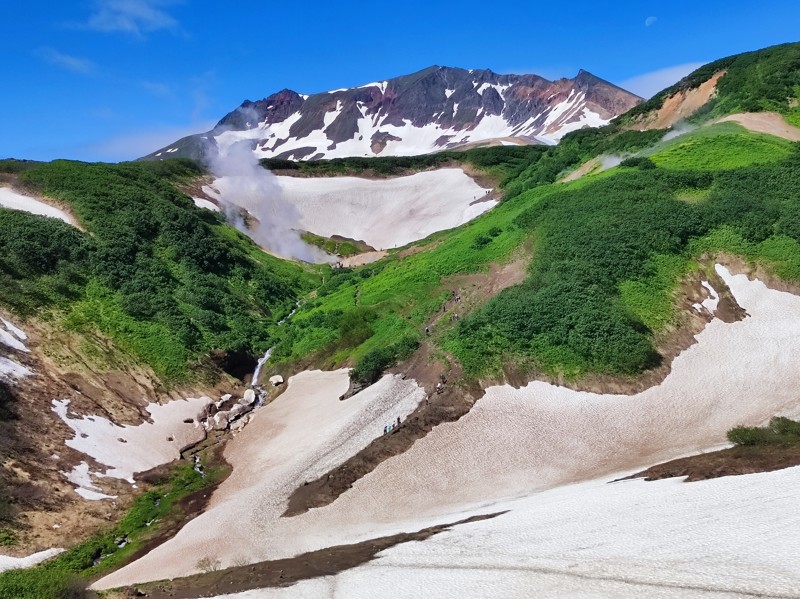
{"x": 171, "y": 283}
{"x": 764, "y": 80}
{"x": 167, "y": 281}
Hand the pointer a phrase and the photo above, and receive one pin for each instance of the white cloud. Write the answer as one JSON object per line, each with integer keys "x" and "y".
{"x": 132, "y": 145}
{"x": 650, "y": 21}
{"x": 75, "y": 64}
{"x": 135, "y": 17}
{"x": 649, "y": 84}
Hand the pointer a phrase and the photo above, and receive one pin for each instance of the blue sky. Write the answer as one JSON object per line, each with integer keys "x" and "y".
{"x": 114, "y": 79}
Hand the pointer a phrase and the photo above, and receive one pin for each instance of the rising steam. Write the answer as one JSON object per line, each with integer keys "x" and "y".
{"x": 253, "y": 202}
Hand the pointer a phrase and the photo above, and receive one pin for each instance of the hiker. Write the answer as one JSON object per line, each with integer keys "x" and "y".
{"x": 398, "y": 421}
{"x": 427, "y": 331}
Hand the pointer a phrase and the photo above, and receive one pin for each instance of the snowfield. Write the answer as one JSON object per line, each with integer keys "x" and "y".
{"x": 524, "y": 450}
{"x": 301, "y": 435}
{"x": 130, "y": 449}
{"x": 722, "y": 538}
{"x": 385, "y": 213}
{"x": 16, "y": 201}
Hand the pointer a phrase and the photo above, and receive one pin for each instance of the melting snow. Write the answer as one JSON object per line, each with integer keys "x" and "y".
{"x": 301, "y": 435}
{"x": 143, "y": 447}
{"x": 664, "y": 539}
{"x": 85, "y": 487}
{"x": 516, "y": 449}
{"x": 385, "y": 213}
{"x": 203, "y": 203}
{"x": 10, "y": 369}
{"x": 16, "y": 201}
{"x": 712, "y": 301}
{"x": 14, "y": 563}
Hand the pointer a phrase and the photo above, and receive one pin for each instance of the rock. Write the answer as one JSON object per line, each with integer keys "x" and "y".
{"x": 220, "y": 421}
{"x": 249, "y": 398}
{"x": 225, "y": 397}
{"x": 276, "y": 380}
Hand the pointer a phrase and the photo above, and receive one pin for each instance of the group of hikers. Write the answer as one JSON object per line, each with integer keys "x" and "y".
{"x": 391, "y": 426}
{"x": 456, "y": 297}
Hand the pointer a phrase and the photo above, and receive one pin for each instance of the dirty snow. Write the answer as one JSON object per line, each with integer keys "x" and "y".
{"x": 9, "y": 369}
{"x": 712, "y": 301}
{"x": 14, "y": 563}
{"x": 302, "y": 434}
{"x": 142, "y": 447}
{"x": 514, "y": 444}
{"x": 16, "y": 201}
{"x": 665, "y": 539}
{"x": 388, "y": 212}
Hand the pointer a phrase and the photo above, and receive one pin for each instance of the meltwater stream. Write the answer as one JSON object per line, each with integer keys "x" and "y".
{"x": 268, "y": 354}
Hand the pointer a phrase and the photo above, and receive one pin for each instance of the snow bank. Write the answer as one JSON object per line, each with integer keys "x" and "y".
{"x": 519, "y": 443}
{"x": 15, "y": 563}
{"x": 130, "y": 449}
{"x": 667, "y": 539}
{"x": 203, "y": 203}
{"x": 388, "y": 212}
{"x": 301, "y": 435}
{"x": 82, "y": 477}
{"x": 9, "y": 369}
{"x": 16, "y": 201}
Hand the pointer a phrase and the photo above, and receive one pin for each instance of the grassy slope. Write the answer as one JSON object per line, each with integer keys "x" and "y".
{"x": 610, "y": 251}
{"x": 168, "y": 282}
{"x": 764, "y": 80}
{"x": 102, "y": 553}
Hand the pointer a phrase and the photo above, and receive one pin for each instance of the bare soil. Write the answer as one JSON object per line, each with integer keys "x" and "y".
{"x": 726, "y": 462}
{"x": 44, "y": 510}
{"x": 283, "y": 572}
{"x": 771, "y": 123}
{"x": 680, "y": 106}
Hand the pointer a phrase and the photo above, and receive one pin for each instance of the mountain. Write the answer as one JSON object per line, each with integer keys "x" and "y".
{"x": 574, "y": 331}
{"x": 436, "y": 108}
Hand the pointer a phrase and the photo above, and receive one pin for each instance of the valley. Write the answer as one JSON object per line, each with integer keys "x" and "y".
{"x": 469, "y": 358}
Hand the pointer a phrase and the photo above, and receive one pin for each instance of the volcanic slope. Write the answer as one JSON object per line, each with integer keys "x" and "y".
{"x": 626, "y": 269}
{"x": 435, "y": 109}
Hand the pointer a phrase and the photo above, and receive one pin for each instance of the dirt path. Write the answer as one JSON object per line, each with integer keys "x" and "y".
{"x": 427, "y": 366}
{"x": 771, "y": 123}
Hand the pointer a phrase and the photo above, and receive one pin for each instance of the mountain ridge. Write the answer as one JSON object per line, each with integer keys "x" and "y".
{"x": 433, "y": 109}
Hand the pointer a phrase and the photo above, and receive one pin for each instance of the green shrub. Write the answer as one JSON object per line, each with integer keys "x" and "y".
{"x": 780, "y": 431}
{"x": 371, "y": 366}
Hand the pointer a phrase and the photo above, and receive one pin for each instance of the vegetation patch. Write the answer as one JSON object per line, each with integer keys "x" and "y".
{"x": 168, "y": 282}
{"x": 722, "y": 147}
{"x": 337, "y": 246}
{"x": 780, "y": 431}
{"x": 66, "y": 574}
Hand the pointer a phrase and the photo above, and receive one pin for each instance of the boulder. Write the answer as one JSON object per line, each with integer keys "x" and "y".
{"x": 276, "y": 380}
{"x": 249, "y": 398}
{"x": 220, "y": 421}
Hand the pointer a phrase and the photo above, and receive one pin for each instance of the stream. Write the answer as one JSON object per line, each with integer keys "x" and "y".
{"x": 268, "y": 354}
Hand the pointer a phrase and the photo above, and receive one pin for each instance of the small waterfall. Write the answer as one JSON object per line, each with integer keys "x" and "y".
{"x": 261, "y": 361}
{"x": 265, "y": 358}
